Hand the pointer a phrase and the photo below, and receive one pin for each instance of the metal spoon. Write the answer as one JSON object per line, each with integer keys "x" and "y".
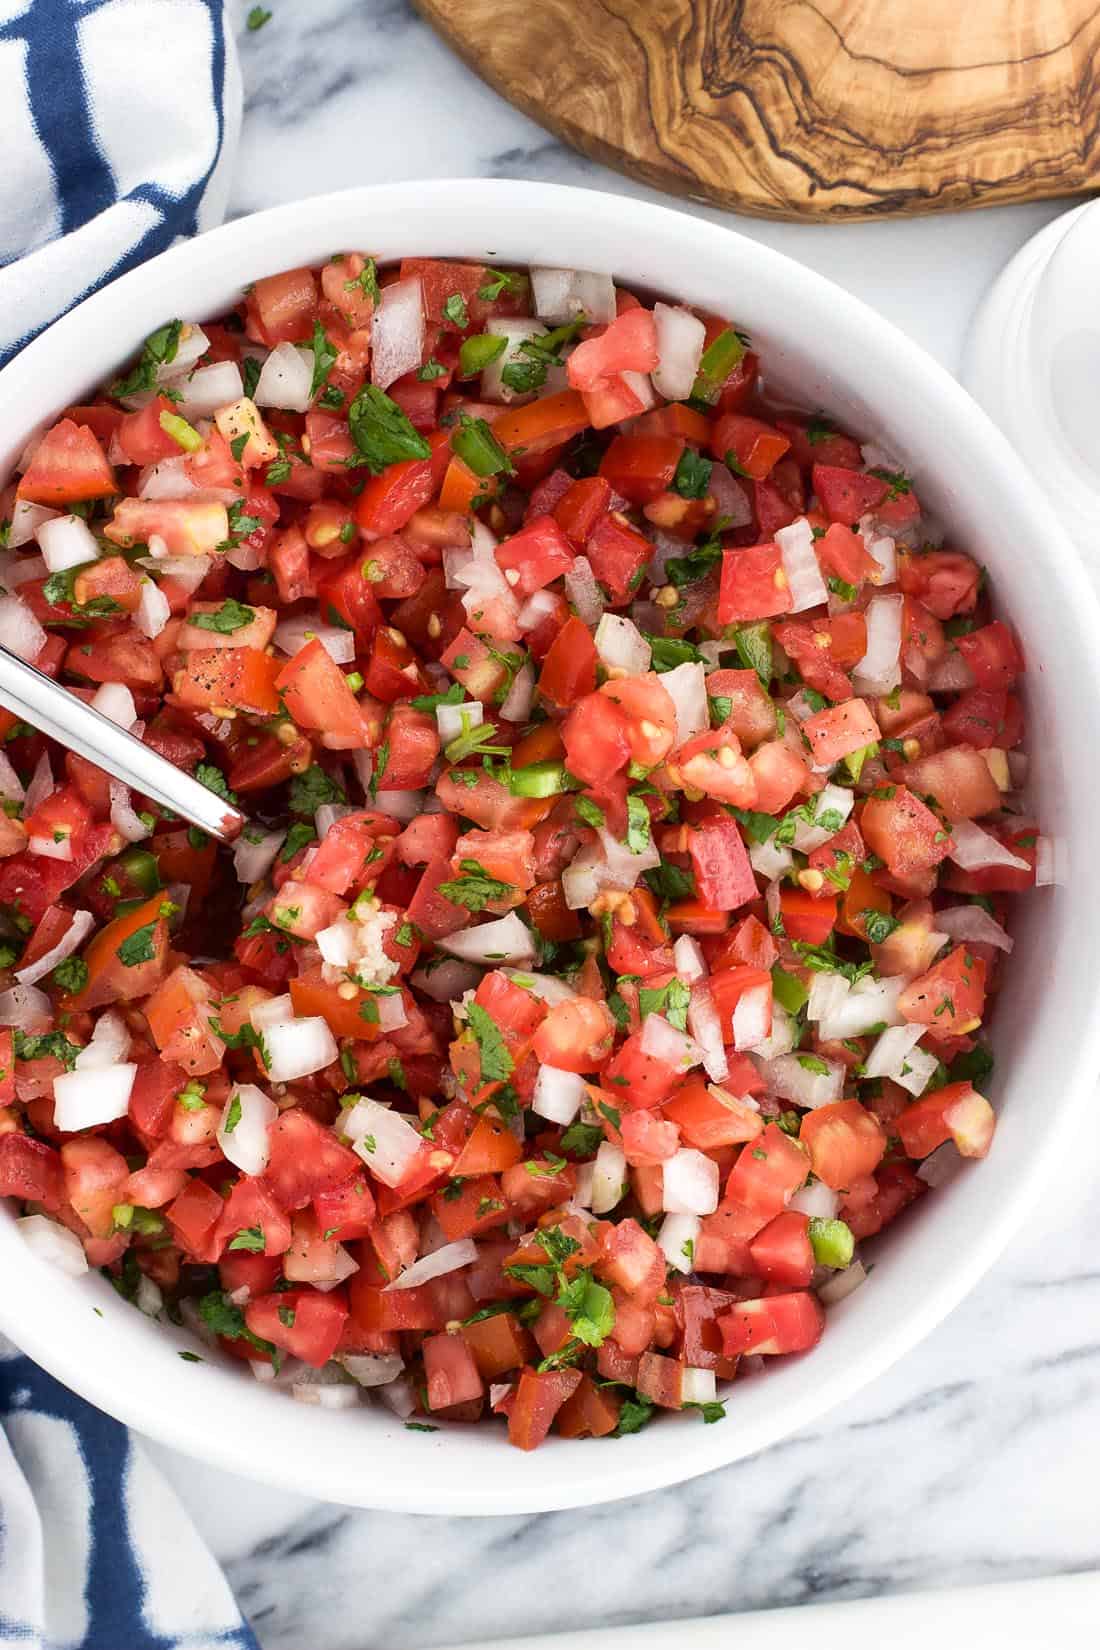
{"x": 37, "y": 699}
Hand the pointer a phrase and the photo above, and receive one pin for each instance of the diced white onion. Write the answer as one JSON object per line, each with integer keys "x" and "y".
{"x": 386, "y": 1141}
{"x": 623, "y": 867}
{"x": 110, "y": 1043}
{"x": 188, "y": 571}
{"x": 879, "y": 671}
{"x": 621, "y": 645}
{"x": 517, "y": 330}
{"x": 827, "y": 991}
{"x": 521, "y": 695}
{"x": 339, "y": 943}
{"x": 817, "y": 1200}
{"x": 783, "y": 1035}
{"x": 20, "y": 631}
{"x": 677, "y": 1238}
{"x": 891, "y": 1050}
{"x": 114, "y": 700}
{"x": 642, "y": 386}
{"x": 298, "y": 1048}
{"x": 285, "y": 380}
{"x": 832, "y": 800}
{"x": 680, "y": 340}
{"x": 581, "y": 880}
{"x": 583, "y": 590}
{"x": 26, "y": 519}
{"x": 271, "y": 1011}
{"x": 66, "y": 542}
{"x": 558, "y": 1095}
{"x": 882, "y": 549}
{"x": 292, "y": 634}
{"x": 48, "y": 847}
{"x": 547, "y": 987}
{"x": 124, "y": 816}
{"x": 82, "y": 924}
{"x": 446, "y": 983}
{"x": 536, "y": 608}
{"x": 791, "y": 1080}
{"x": 868, "y": 1003}
{"x": 917, "y": 1071}
{"x": 397, "y": 332}
{"x": 192, "y": 346}
{"x": 154, "y": 610}
{"x": 372, "y": 1368}
{"x": 687, "y": 688}
{"x": 508, "y": 939}
{"x": 698, "y": 1386}
{"x": 1048, "y": 861}
{"x": 209, "y": 388}
{"x": 81, "y": 1099}
{"x": 706, "y": 1027}
{"x": 24, "y": 1007}
{"x": 951, "y": 674}
{"x": 582, "y": 1196}
{"x": 973, "y": 925}
{"x": 976, "y": 850}
{"x": 559, "y": 294}
{"x": 752, "y": 1018}
{"x": 450, "y": 1258}
{"x": 687, "y": 954}
{"x": 53, "y": 1243}
{"x": 11, "y": 786}
{"x": 796, "y": 546}
{"x": 246, "y": 1144}
{"x": 392, "y": 1013}
{"x": 609, "y": 1181}
{"x": 41, "y": 786}
{"x": 168, "y": 478}
{"x": 690, "y": 1183}
{"x": 842, "y": 1284}
{"x": 770, "y": 859}
{"x": 661, "y": 1041}
{"x": 452, "y": 719}
{"x": 399, "y": 1395}
{"x": 253, "y": 859}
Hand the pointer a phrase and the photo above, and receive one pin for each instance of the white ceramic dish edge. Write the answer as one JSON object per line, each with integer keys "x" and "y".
{"x": 835, "y": 353}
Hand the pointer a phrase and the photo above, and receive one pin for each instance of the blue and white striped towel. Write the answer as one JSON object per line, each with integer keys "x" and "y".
{"x": 96, "y": 1552}
{"x": 119, "y": 119}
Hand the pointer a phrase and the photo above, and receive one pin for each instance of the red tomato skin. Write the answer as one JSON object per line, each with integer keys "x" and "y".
{"x": 844, "y": 1141}
{"x": 768, "y": 1172}
{"x": 535, "y": 556}
{"x": 723, "y": 875}
{"x": 569, "y": 668}
{"x": 782, "y": 1253}
{"x": 754, "y": 585}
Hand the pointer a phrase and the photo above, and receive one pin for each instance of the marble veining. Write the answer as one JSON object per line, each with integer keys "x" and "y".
{"x": 977, "y": 1458}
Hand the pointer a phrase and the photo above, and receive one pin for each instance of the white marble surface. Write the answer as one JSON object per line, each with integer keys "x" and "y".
{"x": 978, "y": 1457}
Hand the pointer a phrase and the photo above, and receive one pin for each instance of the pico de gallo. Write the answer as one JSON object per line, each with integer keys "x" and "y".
{"x": 633, "y": 778}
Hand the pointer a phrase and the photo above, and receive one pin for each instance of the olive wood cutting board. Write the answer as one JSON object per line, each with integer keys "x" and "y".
{"x": 819, "y": 109}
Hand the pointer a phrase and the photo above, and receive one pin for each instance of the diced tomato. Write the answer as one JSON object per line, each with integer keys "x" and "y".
{"x": 768, "y": 1172}
{"x": 67, "y": 465}
{"x": 569, "y": 668}
{"x": 950, "y": 997}
{"x": 723, "y": 875}
{"x": 302, "y": 1322}
{"x": 755, "y": 447}
{"x": 754, "y": 585}
{"x": 844, "y": 1141}
{"x": 774, "y": 1324}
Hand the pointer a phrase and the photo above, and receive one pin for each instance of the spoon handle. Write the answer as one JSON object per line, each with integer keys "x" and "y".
{"x": 63, "y": 716}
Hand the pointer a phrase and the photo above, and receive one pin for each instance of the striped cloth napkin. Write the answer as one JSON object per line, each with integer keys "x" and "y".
{"x": 120, "y": 121}
{"x": 120, "y": 124}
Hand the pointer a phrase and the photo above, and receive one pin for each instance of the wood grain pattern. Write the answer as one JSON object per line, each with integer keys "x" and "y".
{"x": 825, "y": 109}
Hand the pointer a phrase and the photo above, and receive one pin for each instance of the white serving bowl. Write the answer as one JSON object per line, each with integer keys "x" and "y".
{"x": 829, "y": 351}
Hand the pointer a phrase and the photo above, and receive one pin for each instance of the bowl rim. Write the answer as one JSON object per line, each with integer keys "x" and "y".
{"x": 450, "y": 1474}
